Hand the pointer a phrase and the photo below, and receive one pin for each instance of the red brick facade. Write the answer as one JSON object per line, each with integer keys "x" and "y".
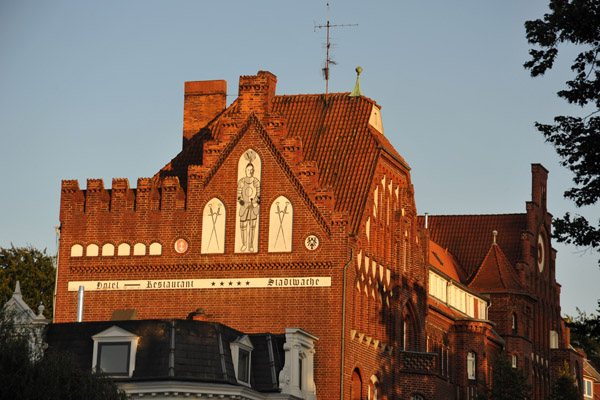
{"x": 363, "y": 290}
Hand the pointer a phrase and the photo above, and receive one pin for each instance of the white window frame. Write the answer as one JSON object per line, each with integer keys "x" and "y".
{"x": 245, "y": 344}
{"x": 588, "y": 394}
{"x": 553, "y": 340}
{"x": 514, "y": 360}
{"x": 114, "y": 334}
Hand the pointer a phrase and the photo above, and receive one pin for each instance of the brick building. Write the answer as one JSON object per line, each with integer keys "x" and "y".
{"x": 296, "y": 211}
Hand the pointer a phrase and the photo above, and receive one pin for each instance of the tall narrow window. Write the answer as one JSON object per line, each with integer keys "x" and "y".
{"x": 356, "y": 393}
{"x": 514, "y": 361}
{"x": 471, "y": 365}
{"x": 514, "y": 323}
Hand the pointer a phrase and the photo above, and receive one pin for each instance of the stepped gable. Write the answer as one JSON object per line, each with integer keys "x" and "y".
{"x": 336, "y": 135}
{"x": 467, "y": 237}
{"x": 333, "y": 134}
{"x": 496, "y": 274}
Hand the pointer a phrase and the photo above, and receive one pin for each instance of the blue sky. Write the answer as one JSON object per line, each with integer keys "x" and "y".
{"x": 93, "y": 89}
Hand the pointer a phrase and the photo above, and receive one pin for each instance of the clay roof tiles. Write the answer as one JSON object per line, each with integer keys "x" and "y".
{"x": 496, "y": 274}
{"x": 468, "y": 237}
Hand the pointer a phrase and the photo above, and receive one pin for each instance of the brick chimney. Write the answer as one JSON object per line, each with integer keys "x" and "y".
{"x": 203, "y": 101}
{"x": 256, "y": 92}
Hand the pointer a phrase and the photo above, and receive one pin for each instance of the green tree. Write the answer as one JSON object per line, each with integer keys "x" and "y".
{"x": 34, "y": 269}
{"x": 564, "y": 388}
{"x": 575, "y": 138}
{"x": 55, "y": 376}
{"x": 585, "y": 333}
{"x": 508, "y": 383}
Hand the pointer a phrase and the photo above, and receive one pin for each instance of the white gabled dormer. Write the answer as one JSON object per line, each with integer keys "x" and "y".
{"x": 114, "y": 352}
{"x": 297, "y": 376}
{"x": 241, "y": 354}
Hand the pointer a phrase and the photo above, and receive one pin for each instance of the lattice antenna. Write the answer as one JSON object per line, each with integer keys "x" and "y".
{"x": 328, "y": 60}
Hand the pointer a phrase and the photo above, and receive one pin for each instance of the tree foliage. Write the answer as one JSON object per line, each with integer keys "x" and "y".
{"x": 564, "y": 388}
{"x": 35, "y": 271}
{"x": 575, "y": 138}
{"x": 508, "y": 383}
{"x": 585, "y": 334}
{"x": 55, "y": 376}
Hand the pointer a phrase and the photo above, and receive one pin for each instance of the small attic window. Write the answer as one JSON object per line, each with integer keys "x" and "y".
{"x": 241, "y": 353}
{"x": 114, "y": 352}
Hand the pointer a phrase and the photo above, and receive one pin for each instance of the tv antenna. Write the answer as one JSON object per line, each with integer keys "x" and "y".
{"x": 328, "y": 60}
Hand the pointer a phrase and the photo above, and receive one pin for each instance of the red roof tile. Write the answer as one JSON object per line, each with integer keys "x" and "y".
{"x": 445, "y": 262}
{"x": 496, "y": 274}
{"x": 468, "y": 237}
{"x": 335, "y": 134}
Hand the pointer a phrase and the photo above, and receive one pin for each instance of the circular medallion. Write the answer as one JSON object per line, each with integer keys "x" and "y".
{"x": 311, "y": 242}
{"x": 541, "y": 252}
{"x": 181, "y": 246}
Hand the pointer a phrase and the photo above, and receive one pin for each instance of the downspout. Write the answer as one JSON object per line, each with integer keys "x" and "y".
{"x": 344, "y": 324}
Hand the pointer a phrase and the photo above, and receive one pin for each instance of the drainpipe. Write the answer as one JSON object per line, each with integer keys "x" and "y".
{"x": 344, "y": 324}
{"x": 80, "y": 296}
{"x": 172, "y": 349}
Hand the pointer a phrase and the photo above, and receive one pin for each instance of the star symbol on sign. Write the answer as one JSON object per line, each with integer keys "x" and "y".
{"x": 239, "y": 283}
{"x": 247, "y": 283}
{"x": 213, "y": 283}
{"x": 222, "y": 283}
{"x": 230, "y": 283}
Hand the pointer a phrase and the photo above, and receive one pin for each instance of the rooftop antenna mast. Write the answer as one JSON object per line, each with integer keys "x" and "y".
{"x": 327, "y": 59}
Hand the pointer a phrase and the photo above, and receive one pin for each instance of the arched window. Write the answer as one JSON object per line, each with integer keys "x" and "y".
{"x": 139, "y": 249}
{"x": 213, "y": 227}
{"x": 108, "y": 250}
{"x": 92, "y": 250}
{"x": 374, "y": 392}
{"x": 248, "y": 202}
{"x": 124, "y": 249}
{"x": 356, "y": 392}
{"x": 514, "y": 361}
{"x": 155, "y": 249}
{"x": 417, "y": 397}
{"x": 76, "y": 250}
{"x": 514, "y": 323}
{"x": 281, "y": 218}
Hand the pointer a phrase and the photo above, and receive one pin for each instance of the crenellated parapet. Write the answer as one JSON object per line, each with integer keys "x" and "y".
{"x": 150, "y": 194}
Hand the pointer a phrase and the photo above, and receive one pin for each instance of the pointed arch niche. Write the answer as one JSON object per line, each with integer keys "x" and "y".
{"x": 248, "y": 202}
{"x": 213, "y": 227}
{"x": 281, "y": 218}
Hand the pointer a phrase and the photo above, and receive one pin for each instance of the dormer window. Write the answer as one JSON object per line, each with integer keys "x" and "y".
{"x": 241, "y": 353}
{"x": 297, "y": 376}
{"x": 114, "y": 352}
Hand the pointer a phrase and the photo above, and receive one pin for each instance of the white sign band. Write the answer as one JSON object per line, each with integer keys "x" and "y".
{"x": 223, "y": 283}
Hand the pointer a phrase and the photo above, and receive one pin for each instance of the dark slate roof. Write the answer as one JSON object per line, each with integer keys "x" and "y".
{"x": 468, "y": 237}
{"x": 202, "y": 351}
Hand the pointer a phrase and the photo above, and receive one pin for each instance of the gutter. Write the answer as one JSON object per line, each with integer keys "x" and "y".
{"x": 344, "y": 324}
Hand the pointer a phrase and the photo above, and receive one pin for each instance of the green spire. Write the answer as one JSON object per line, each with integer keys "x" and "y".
{"x": 356, "y": 92}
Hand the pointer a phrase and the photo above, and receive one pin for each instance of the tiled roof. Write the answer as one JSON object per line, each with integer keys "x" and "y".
{"x": 496, "y": 274}
{"x": 336, "y": 135}
{"x": 445, "y": 262}
{"x": 468, "y": 237}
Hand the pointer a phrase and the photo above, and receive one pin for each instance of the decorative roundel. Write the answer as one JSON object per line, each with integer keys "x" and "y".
{"x": 541, "y": 252}
{"x": 311, "y": 242}
{"x": 181, "y": 246}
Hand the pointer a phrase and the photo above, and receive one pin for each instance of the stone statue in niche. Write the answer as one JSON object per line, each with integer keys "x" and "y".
{"x": 248, "y": 202}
